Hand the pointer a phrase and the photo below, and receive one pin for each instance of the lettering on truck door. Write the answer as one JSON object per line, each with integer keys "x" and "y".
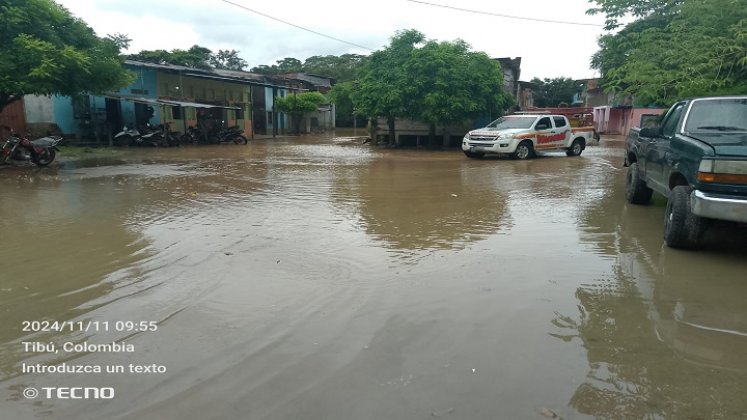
{"x": 563, "y": 130}
{"x": 545, "y": 134}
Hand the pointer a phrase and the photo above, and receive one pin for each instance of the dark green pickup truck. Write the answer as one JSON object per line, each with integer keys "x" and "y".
{"x": 697, "y": 158}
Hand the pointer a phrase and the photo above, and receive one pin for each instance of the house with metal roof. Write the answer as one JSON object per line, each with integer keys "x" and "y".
{"x": 176, "y": 95}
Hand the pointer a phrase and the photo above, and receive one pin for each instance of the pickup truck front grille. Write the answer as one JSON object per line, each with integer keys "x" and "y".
{"x": 482, "y": 138}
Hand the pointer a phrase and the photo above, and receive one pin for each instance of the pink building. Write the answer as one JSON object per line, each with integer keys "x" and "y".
{"x": 620, "y": 119}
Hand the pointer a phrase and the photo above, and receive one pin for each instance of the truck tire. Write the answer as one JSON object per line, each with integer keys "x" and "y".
{"x": 524, "y": 150}
{"x": 576, "y": 148}
{"x": 636, "y": 190}
{"x": 474, "y": 155}
{"x": 682, "y": 228}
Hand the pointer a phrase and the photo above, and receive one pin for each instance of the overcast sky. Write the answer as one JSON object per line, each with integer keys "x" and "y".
{"x": 546, "y": 49}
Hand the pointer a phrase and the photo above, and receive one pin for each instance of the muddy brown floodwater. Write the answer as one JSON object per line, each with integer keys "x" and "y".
{"x": 318, "y": 278}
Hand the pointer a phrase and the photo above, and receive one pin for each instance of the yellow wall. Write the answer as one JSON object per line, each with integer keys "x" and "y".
{"x": 216, "y": 92}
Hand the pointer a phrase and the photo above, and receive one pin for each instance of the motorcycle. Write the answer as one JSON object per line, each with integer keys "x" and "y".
{"x": 41, "y": 151}
{"x": 234, "y": 134}
{"x": 133, "y": 137}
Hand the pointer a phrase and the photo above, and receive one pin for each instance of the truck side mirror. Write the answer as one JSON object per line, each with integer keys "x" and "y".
{"x": 651, "y": 132}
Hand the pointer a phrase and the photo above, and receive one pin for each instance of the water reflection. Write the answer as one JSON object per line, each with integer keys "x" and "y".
{"x": 64, "y": 246}
{"x": 426, "y": 202}
{"x": 666, "y": 336}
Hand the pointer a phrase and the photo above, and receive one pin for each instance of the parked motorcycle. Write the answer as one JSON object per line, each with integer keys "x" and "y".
{"x": 41, "y": 151}
{"x": 169, "y": 137}
{"x": 234, "y": 134}
{"x": 147, "y": 135}
{"x": 193, "y": 135}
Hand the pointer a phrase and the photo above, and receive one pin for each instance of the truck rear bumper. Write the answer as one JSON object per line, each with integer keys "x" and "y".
{"x": 720, "y": 207}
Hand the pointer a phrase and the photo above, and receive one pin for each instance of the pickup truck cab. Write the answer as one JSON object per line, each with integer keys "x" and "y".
{"x": 521, "y": 136}
{"x": 697, "y": 158}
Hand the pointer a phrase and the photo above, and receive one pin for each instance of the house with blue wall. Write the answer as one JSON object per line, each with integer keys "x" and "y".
{"x": 168, "y": 94}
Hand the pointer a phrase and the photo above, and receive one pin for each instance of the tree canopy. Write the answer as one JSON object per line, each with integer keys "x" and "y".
{"x": 553, "y": 92}
{"x": 675, "y": 49}
{"x": 196, "y": 56}
{"x": 429, "y": 81}
{"x": 341, "y": 68}
{"x": 298, "y": 105}
{"x": 46, "y": 50}
{"x": 228, "y": 60}
{"x": 381, "y": 88}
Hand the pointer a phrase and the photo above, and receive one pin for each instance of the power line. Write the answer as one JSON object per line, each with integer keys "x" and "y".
{"x": 504, "y": 16}
{"x": 296, "y": 26}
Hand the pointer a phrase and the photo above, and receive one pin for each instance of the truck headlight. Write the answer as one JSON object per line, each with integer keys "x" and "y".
{"x": 723, "y": 171}
{"x": 706, "y": 165}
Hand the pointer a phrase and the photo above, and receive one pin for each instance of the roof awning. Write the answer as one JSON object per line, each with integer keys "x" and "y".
{"x": 138, "y": 99}
{"x": 193, "y": 104}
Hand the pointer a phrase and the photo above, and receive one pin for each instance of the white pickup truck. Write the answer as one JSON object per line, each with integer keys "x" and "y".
{"x": 521, "y": 136}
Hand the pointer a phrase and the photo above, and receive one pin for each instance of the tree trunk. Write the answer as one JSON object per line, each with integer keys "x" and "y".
{"x": 392, "y": 134}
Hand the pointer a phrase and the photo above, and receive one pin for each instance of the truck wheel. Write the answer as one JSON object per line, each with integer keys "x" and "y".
{"x": 474, "y": 155}
{"x": 576, "y": 148}
{"x": 524, "y": 150}
{"x": 636, "y": 191}
{"x": 682, "y": 228}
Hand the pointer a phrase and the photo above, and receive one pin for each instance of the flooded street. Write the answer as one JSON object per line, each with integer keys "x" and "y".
{"x": 318, "y": 278}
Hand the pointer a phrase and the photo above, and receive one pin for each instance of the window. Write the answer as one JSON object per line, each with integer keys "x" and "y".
{"x": 176, "y": 113}
{"x": 670, "y": 126}
{"x": 543, "y": 121}
{"x": 559, "y": 122}
{"x": 240, "y": 114}
{"x": 82, "y": 107}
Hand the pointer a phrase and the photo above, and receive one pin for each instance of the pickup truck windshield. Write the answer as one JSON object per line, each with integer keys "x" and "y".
{"x": 512, "y": 122}
{"x": 727, "y": 115}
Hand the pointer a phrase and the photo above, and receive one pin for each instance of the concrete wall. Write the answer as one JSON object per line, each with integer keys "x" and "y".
{"x": 38, "y": 109}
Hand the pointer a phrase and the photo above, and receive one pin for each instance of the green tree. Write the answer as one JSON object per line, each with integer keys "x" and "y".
{"x": 448, "y": 83}
{"x": 196, "y": 56}
{"x": 228, "y": 60}
{"x": 298, "y": 105}
{"x": 382, "y": 87}
{"x": 341, "y": 68}
{"x": 265, "y": 69}
{"x": 556, "y": 91}
{"x": 46, "y": 51}
{"x": 433, "y": 82}
{"x": 342, "y": 95}
{"x": 616, "y": 9}
{"x": 676, "y": 49}
{"x": 289, "y": 65}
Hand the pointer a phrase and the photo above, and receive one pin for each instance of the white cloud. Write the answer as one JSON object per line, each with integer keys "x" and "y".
{"x": 547, "y": 49}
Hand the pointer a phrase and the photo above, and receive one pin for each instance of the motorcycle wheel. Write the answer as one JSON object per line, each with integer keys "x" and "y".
{"x": 46, "y": 157}
{"x": 240, "y": 140}
{"x": 124, "y": 141}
